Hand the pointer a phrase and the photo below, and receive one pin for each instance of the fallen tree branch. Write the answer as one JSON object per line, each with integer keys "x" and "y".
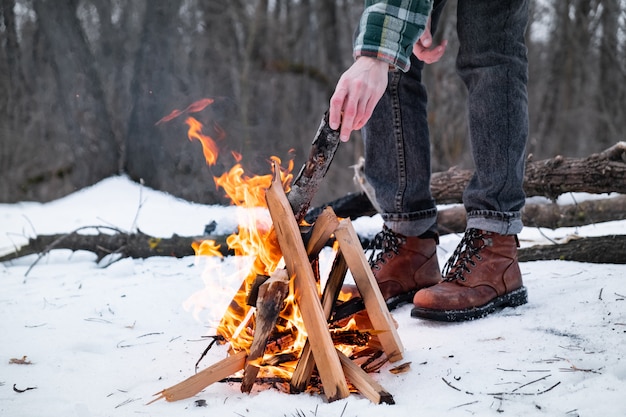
{"x": 600, "y": 173}
{"x": 126, "y": 245}
{"x": 604, "y": 172}
{"x": 600, "y": 249}
{"x": 452, "y": 220}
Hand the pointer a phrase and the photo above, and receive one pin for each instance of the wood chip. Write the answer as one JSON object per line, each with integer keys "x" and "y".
{"x": 400, "y": 369}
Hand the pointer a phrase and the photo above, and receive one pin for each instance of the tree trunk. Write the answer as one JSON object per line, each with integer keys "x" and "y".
{"x": 599, "y": 173}
{"x": 149, "y": 156}
{"x": 600, "y": 249}
{"x": 86, "y": 116}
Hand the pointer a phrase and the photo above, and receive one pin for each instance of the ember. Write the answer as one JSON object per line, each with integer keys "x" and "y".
{"x": 277, "y": 324}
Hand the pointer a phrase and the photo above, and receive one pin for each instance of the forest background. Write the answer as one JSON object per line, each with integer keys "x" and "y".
{"x": 83, "y": 83}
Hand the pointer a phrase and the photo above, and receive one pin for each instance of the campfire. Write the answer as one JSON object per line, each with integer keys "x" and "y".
{"x": 286, "y": 322}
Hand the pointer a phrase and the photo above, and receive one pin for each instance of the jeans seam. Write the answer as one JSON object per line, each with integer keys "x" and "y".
{"x": 508, "y": 102}
{"x": 398, "y": 137}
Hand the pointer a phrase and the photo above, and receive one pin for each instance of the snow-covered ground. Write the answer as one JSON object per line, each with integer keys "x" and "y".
{"x": 101, "y": 341}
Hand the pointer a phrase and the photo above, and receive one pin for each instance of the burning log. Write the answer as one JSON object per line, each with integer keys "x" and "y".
{"x": 308, "y": 181}
{"x": 366, "y": 385}
{"x": 270, "y": 300}
{"x": 304, "y": 369}
{"x": 368, "y": 288}
{"x": 288, "y": 234}
{"x": 332, "y": 368}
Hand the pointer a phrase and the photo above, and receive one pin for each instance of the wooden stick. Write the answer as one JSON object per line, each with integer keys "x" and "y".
{"x": 305, "y": 291}
{"x": 272, "y": 294}
{"x": 366, "y": 283}
{"x": 304, "y": 368}
{"x": 366, "y": 385}
{"x": 196, "y": 383}
{"x": 308, "y": 181}
{"x": 323, "y": 229}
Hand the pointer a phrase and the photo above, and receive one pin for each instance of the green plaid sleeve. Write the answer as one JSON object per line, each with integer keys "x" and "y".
{"x": 389, "y": 29}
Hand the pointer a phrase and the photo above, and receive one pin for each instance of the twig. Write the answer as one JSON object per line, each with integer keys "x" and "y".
{"x": 525, "y": 393}
{"x": 344, "y": 409}
{"x": 128, "y": 401}
{"x": 141, "y": 201}
{"x": 216, "y": 339}
{"x": 462, "y": 405}
{"x": 22, "y": 390}
{"x": 574, "y": 368}
{"x": 496, "y": 394}
{"x": 531, "y": 382}
{"x": 455, "y": 388}
{"x": 544, "y": 235}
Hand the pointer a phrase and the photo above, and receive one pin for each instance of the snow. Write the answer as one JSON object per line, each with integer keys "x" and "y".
{"x": 102, "y": 341}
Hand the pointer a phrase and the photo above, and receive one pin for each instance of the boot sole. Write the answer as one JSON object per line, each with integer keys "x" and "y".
{"x": 515, "y": 298}
{"x": 399, "y": 299}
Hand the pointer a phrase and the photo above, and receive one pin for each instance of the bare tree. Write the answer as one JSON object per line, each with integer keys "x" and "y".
{"x": 94, "y": 147}
{"x": 83, "y": 82}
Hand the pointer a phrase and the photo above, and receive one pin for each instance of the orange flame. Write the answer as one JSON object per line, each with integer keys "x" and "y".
{"x": 209, "y": 147}
{"x": 207, "y": 247}
{"x": 255, "y": 238}
{"x": 192, "y": 108}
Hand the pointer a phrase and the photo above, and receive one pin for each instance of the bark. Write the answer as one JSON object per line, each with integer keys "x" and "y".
{"x": 152, "y": 152}
{"x": 81, "y": 95}
{"x": 308, "y": 181}
{"x": 272, "y": 294}
{"x": 126, "y": 245}
{"x": 604, "y": 172}
{"x": 452, "y": 220}
{"x": 599, "y": 173}
{"x": 603, "y": 249}
{"x": 551, "y": 216}
{"x": 600, "y": 249}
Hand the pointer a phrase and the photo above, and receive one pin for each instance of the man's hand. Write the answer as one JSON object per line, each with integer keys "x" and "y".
{"x": 422, "y": 48}
{"x": 358, "y": 91}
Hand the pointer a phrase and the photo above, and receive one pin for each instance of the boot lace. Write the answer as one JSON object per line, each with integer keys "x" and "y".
{"x": 463, "y": 257}
{"x": 389, "y": 242}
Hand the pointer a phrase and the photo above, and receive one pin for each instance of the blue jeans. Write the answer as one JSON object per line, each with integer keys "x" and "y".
{"x": 493, "y": 64}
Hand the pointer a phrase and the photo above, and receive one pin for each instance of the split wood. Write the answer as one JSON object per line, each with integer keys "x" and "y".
{"x": 332, "y": 367}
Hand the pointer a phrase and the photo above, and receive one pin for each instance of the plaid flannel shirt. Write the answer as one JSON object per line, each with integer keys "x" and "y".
{"x": 389, "y": 29}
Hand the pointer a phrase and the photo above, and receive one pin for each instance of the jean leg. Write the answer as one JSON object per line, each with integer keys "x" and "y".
{"x": 397, "y": 150}
{"x": 492, "y": 62}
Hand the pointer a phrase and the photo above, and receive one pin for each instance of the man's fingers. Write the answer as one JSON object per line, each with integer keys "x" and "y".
{"x": 336, "y": 107}
{"x": 429, "y": 55}
{"x": 364, "y": 82}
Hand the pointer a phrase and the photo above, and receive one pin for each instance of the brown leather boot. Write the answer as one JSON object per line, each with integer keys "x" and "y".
{"x": 481, "y": 276}
{"x": 405, "y": 265}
